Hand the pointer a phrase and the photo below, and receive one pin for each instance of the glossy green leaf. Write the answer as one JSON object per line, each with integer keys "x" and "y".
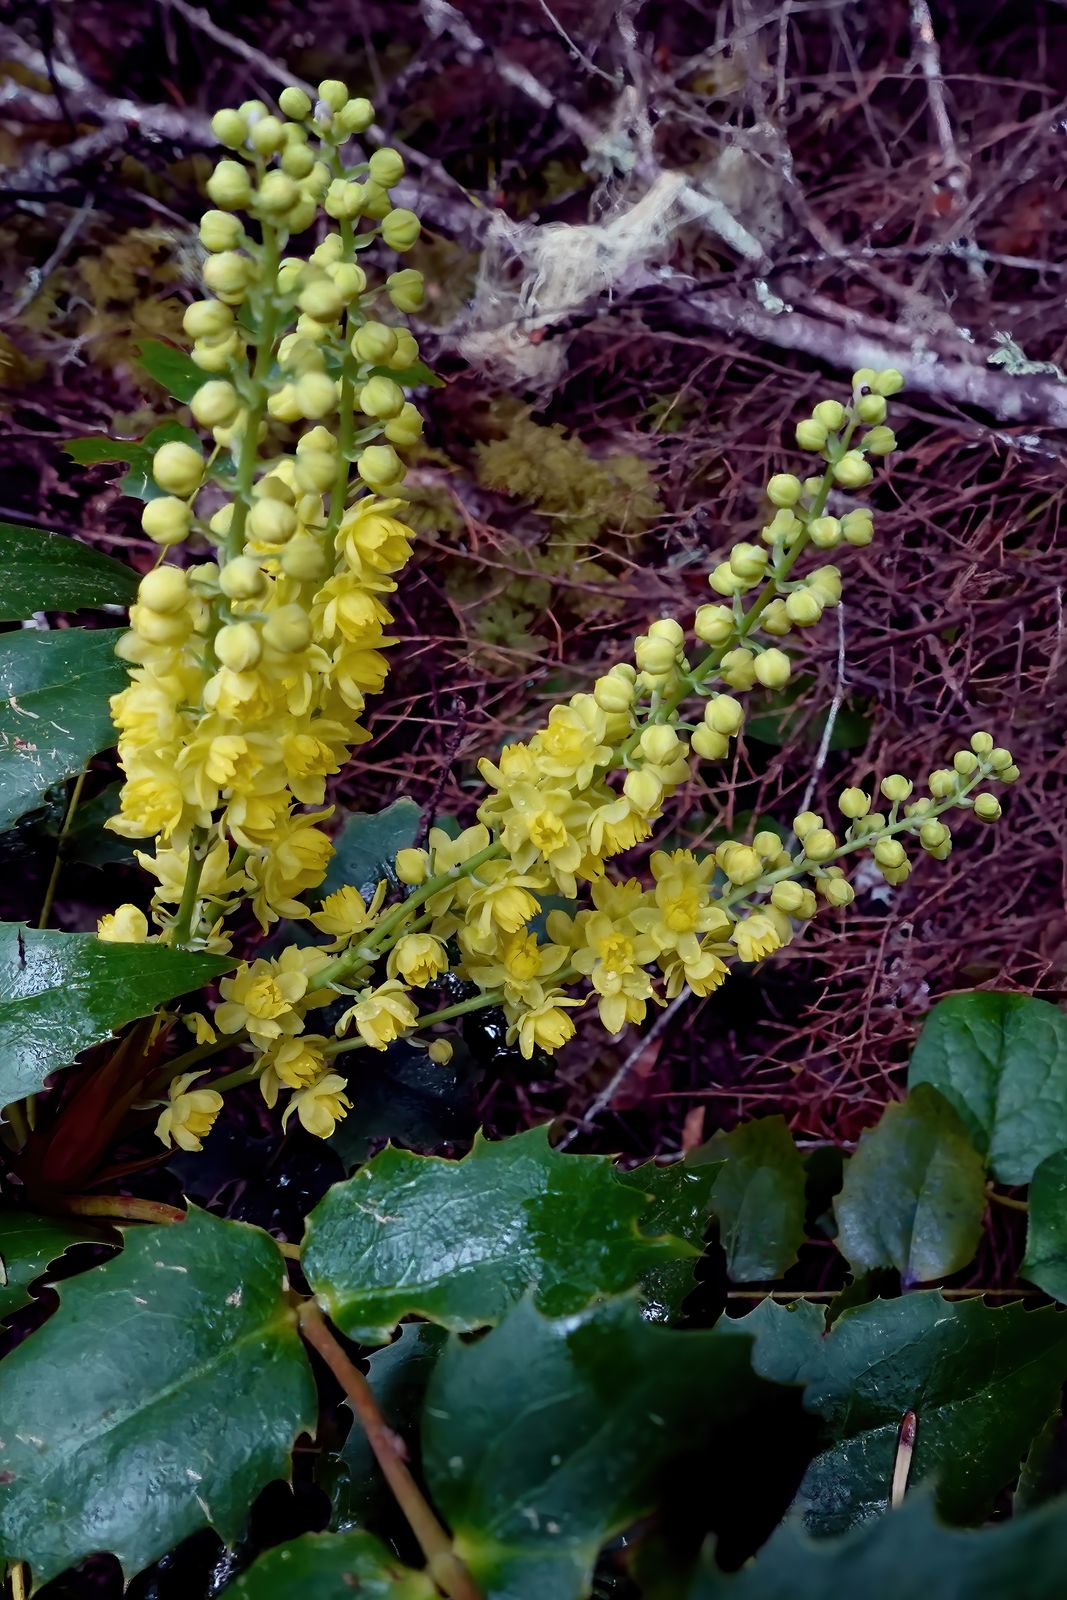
{"x": 903, "y": 1556}
{"x": 48, "y": 572}
{"x": 173, "y": 369}
{"x": 28, "y": 1246}
{"x": 399, "y": 1376}
{"x": 914, "y": 1192}
{"x": 1001, "y": 1060}
{"x": 161, "y": 1397}
{"x": 54, "y": 692}
{"x": 981, "y": 1381}
{"x": 786, "y": 1339}
{"x": 365, "y": 849}
{"x": 758, "y": 1198}
{"x": 418, "y": 375}
{"x": 1046, "y": 1232}
{"x": 679, "y": 1203}
{"x": 62, "y": 992}
{"x": 136, "y": 453}
{"x": 459, "y": 1242}
{"x": 330, "y": 1566}
{"x": 547, "y": 1437}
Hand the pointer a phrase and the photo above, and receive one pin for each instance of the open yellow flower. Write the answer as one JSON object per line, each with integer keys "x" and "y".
{"x": 321, "y": 1106}
{"x": 190, "y": 1114}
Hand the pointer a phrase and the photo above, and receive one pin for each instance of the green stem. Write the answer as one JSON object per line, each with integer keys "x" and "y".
{"x": 477, "y": 1002}
{"x": 248, "y": 455}
{"x": 182, "y": 925}
{"x": 346, "y": 403}
{"x": 68, "y": 818}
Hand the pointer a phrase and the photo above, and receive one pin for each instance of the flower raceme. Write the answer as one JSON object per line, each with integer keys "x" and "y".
{"x": 588, "y": 786}
{"x": 251, "y": 664}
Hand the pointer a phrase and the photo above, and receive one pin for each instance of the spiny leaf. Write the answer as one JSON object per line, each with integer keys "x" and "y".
{"x": 136, "y": 453}
{"x": 679, "y": 1203}
{"x": 1001, "y": 1060}
{"x": 914, "y": 1192}
{"x": 901, "y": 1556}
{"x": 165, "y": 1392}
{"x": 173, "y": 369}
{"x": 981, "y": 1383}
{"x": 28, "y": 1246}
{"x": 1046, "y": 1233}
{"x": 758, "y": 1198}
{"x": 330, "y": 1566}
{"x": 62, "y": 992}
{"x": 459, "y": 1242}
{"x": 54, "y": 691}
{"x": 785, "y": 1338}
{"x": 365, "y": 849}
{"x": 49, "y": 572}
{"x": 545, "y": 1438}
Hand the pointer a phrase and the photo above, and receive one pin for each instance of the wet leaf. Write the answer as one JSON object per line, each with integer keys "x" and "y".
{"x": 49, "y": 572}
{"x": 330, "y": 1566}
{"x": 1046, "y": 1233}
{"x": 28, "y": 1246}
{"x": 366, "y": 847}
{"x": 758, "y": 1198}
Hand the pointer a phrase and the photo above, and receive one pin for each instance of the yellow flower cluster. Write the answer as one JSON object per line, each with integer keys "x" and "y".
{"x": 588, "y": 786}
{"x": 251, "y": 664}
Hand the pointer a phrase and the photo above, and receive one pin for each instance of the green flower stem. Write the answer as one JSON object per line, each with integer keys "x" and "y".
{"x": 182, "y": 926}
{"x": 477, "y": 1002}
{"x": 346, "y": 404}
{"x": 57, "y": 865}
{"x": 235, "y": 1080}
{"x": 193, "y": 1058}
{"x": 248, "y": 454}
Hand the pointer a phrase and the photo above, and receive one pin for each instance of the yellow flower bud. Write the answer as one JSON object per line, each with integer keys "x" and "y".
{"x": 708, "y": 744}
{"x": 982, "y": 744}
{"x": 831, "y": 413}
{"x": 879, "y": 441}
{"x": 852, "y": 471}
{"x": 811, "y": 435}
{"x": 965, "y": 762}
{"x": 405, "y": 428}
{"x": 864, "y": 378}
{"x": 667, "y": 628}
{"x": 825, "y": 582}
{"x": 724, "y": 580}
{"x": 784, "y": 528}
{"x": 387, "y": 167}
{"x": 126, "y": 925}
{"x": 643, "y": 789}
{"x": 406, "y": 352}
{"x": 271, "y": 521}
{"x": 348, "y": 279}
{"x": 381, "y": 397}
{"x": 724, "y": 714}
{"x": 658, "y": 743}
{"x": 737, "y": 668}
{"x": 806, "y": 823}
{"x": 412, "y": 866}
{"x": 749, "y": 561}
{"x": 838, "y": 891}
{"x": 283, "y": 404}
{"x": 237, "y": 646}
{"x": 772, "y": 668}
{"x": 871, "y": 408}
{"x": 318, "y": 438}
{"x": 220, "y": 231}
{"x": 228, "y": 274}
{"x": 178, "y": 468}
{"x": 229, "y": 186}
{"x": 999, "y": 758}
{"x": 242, "y": 578}
{"x": 288, "y": 629}
{"x": 889, "y": 381}
{"x": 277, "y": 194}
{"x": 207, "y": 319}
{"x": 613, "y": 694}
{"x": 356, "y": 116}
{"x": 740, "y": 863}
{"x": 379, "y": 466}
{"x": 315, "y": 394}
{"x": 295, "y": 103}
{"x": 333, "y": 93}
{"x": 942, "y": 783}
{"x": 655, "y": 655}
{"x": 896, "y": 788}
{"x": 321, "y": 299}
{"x": 788, "y": 897}
{"x": 406, "y": 289}
{"x": 303, "y": 558}
{"x": 166, "y": 520}
{"x": 164, "y": 590}
{"x": 401, "y": 229}
{"x": 775, "y": 620}
{"x": 933, "y": 834}
{"x": 784, "y": 489}
{"x": 714, "y": 624}
{"x": 986, "y": 807}
{"x": 298, "y": 162}
{"x": 854, "y": 803}
{"x": 1008, "y": 774}
{"x": 230, "y": 128}
{"x": 825, "y": 533}
{"x": 374, "y": 342}
{"x": 820, "y": 845}
{"x": 315, "y": 471}
{"x": 267, "y": 136}
{"x": 858, "y": 528}
{"x": 889, "y": 853}
{"x": 803, "y": 607}
{"x": 440, "y": 1052}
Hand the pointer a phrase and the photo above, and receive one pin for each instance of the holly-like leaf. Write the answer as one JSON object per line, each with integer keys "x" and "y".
{"x": 679, "y": 1203}
{"x": 399, "y": 1376}
{"x": 28, "y": 1246}
{"x": 1001, "y": 1060}
{"x": 173, "y": 369}
{"x": 54, "y": 691}
{"x": 547, "y": 1437}
{"x": 62, "y": 992}
{"x": 365, "y": 849}
{"x": 914, "y": 1192}
{"x": 459, "y": 1242}
{"x": 900, "y": 1556}
{"x": 758, "y": 1198}
{"x": 49, "y": 572}
{"x": 161, "y": 1397}
{"x": 330, "y": 1566}
{"x": 785, "y": 1338}
{"x": 136, "y": 453}
{"x": 1046, "y": 1232}
{"x": 981, "y": 1382}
